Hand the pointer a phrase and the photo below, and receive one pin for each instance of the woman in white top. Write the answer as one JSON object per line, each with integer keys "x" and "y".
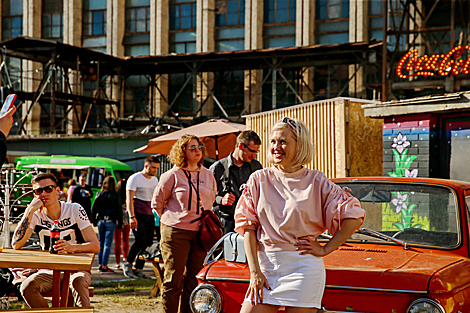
{"x": 282, "y": 210}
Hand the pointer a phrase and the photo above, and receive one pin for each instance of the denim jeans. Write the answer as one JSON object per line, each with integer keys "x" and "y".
{"x": 106, "y": 234}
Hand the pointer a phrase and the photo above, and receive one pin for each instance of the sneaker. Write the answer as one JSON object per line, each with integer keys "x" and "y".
{"x": 141, "y": 274}
{"x": 127, "y": 270}
{"x": 100, "y": 268}
{"x": 106, "y": 270}
{"x": 116, "y": 266}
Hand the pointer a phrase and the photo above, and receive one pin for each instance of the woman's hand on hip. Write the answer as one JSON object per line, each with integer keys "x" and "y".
{"x": 255, "y": 289}
{"x": 307, "y": 245}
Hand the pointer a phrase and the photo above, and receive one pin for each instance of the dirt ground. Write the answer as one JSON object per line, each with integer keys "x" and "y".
{"x": 137, "y": 302}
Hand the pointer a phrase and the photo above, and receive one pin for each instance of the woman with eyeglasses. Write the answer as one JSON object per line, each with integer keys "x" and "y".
{"x": 179, "y": 199}
{"x": 280, "y": 213}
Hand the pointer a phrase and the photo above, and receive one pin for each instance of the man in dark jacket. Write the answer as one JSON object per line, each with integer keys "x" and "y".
{"x": 82, "y": 195}
{"x": 232, "y": 172}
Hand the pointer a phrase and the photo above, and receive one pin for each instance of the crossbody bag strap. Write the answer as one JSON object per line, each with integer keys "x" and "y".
{"x": 191, "y": 187}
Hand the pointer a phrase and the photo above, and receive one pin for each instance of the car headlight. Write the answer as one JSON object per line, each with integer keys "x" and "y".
{"x": 425, "y": 306}
{"x": 205, "y": 299}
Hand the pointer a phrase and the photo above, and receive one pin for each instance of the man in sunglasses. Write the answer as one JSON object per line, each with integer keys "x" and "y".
{"x": 76, "y": 235}
{"x": 232, "y": 172}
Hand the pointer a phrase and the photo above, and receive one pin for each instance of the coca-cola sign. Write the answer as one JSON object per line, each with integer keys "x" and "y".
{"x": 433, "y": 65}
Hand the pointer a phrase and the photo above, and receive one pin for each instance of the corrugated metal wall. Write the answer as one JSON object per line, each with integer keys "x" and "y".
{"x": 327, "y": 122}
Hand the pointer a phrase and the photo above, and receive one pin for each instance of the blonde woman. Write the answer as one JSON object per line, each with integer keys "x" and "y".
{"x": 181, "y": 195}
{"x": 281, "y": 211}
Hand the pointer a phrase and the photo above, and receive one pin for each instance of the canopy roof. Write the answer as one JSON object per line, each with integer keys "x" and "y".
{"x": 42, "y": 50}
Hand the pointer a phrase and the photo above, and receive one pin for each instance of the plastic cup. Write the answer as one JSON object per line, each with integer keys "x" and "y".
{"x": 2, "y": 242}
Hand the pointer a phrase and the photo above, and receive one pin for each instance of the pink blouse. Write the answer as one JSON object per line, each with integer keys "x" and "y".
{"x": 171, "y": 197}
{"x": 284, "y": 206}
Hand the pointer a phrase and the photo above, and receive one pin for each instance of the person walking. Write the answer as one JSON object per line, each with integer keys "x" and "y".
{"x": 179, "y": 199}
{"x": 232, "y": 172}
{"x": 281, "y": 211}
{"x": 72, "y": 184}
{"x": 123, "y": 233}
{"x": 82, "y": 195}
{"x": 107, "y": 215}
{"x": 139, "y": 192}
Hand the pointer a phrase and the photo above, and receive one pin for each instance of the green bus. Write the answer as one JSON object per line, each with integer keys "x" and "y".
{"x": 66, "y": 167}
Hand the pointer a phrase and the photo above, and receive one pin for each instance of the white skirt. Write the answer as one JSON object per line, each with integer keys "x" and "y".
{"x": 295, "y": 280}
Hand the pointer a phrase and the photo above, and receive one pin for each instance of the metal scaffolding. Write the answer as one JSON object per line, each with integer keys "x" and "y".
{"x": 66, "y": 71}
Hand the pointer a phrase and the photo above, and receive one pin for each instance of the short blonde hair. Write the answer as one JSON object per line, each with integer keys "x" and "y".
{"x": 177, "y": 154}
{"x": 301, "y": 135}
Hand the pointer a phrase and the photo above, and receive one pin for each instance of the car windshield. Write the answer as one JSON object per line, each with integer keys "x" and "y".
{"x": 416, "y": 214}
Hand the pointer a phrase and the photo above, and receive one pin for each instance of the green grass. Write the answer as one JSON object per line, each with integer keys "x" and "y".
{"x": 126, "y": 286}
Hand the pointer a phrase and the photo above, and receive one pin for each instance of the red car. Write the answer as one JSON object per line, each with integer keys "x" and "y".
{"x": 411, "y": 255}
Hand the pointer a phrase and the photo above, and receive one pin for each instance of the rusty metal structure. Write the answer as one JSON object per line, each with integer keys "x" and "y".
{"x": 76, "y": 86}
{"x": 434, "y": 28}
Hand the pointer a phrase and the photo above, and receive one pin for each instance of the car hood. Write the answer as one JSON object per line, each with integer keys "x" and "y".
{"x": 363, "y": 268}
{"x": 380, "y": 268}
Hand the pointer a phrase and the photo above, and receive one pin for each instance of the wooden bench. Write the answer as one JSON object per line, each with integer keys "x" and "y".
{"x": 70, "y": 302}
{"x": 158, "y": 271}
{"x": 55, "y": 310}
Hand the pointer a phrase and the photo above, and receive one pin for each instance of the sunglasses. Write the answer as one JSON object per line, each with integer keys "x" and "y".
{"x": 194, "y": 147}
{"x": 291, "y": 123}
{"x": 252, "y": 151}
{"x": 47, "y": 189}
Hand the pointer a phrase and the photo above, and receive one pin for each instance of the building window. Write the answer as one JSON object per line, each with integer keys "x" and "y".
{"x": 137, "y": 36}
{"x": 230, "y": 25}
{"x": 332, "y": 21}
{"x": 94, "y": 25}
{"x": 52, "y": 21}
{"x": 279, "y": 23}
{"x": 182, "y": 26}
{"x": 229, "y": 88}
{"x": 138, "y": 20}
{"x": 184, "y": 102}
{"x": 284, "y": 95}
{"x": 12, "y": 18}
{"x": 136, "y": 95}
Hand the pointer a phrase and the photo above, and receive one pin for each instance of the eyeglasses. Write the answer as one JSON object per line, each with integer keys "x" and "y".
{"x": 47, "y": 189}
{"x": 252, "y": 151}
{"x": 194, "y": 147}
{"x": 291, "y": 123}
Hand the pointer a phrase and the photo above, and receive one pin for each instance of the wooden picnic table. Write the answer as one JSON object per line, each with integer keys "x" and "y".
{"x": 66, "y": 263}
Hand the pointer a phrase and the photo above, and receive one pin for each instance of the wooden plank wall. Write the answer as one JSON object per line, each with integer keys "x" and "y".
{"x": 326, "y": 123}
{"x": 366, "y": 143}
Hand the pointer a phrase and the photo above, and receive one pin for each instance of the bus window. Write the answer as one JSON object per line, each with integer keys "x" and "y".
{"x": 97, "y": 177}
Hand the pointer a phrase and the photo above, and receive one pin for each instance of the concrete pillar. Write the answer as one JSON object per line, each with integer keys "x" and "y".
{"x": 358, "y": 31}
{"x": 205, "y": 42}
{"x": 305, "y": 23}
{"x": 159, "y": 44}
{"x": 253, "y": 40}
{"x": 32, "y": 10}
{"x": 73, "y": 35}
{"x": 115, "y": 27}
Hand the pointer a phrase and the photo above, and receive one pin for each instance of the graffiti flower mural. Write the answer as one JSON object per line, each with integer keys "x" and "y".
{"x": 402, "y": 169}
{"x": 400, "y": 143}
{"x": 400, "y": 202}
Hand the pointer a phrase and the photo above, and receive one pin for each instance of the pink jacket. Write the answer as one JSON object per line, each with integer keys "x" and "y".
{"x": 284, "y": 206}
{"x": 171, "y": 197}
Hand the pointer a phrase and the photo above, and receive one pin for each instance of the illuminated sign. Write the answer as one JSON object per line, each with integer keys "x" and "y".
{"x": 427, "y": 65}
